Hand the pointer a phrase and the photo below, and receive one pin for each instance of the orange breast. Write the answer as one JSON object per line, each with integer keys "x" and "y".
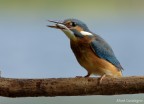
{"x": 90, "y": 61}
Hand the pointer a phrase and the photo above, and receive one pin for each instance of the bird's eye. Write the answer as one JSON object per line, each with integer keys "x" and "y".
{"x": 73, "y": 24}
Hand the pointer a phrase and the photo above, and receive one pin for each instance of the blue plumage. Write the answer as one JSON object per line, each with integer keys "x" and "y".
{"x": 104, "y": 51}
{"x": 99, "y": 45}
{"x": 91, "y": 51}
{"x": 79, "y": 23}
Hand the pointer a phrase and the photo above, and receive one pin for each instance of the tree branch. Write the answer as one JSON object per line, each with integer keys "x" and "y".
{"x": 70, "y": 86}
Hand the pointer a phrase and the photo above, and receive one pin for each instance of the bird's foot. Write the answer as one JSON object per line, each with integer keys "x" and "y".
{"x": 87, "y": 75}
{"x": 84, "y": 76}
{"x": 101, "y": 78}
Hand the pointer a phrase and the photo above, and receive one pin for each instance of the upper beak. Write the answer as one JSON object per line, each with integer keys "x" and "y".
{"x": 56, "y": 25}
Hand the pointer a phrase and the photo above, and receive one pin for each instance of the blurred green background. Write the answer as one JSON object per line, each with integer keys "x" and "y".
{"x": 29, "y": 49}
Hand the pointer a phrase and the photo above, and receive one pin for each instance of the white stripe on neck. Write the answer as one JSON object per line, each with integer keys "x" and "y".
{"x": 85, "y": 33}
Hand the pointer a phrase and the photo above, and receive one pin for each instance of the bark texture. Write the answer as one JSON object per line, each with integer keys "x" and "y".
{"x": 10, "y": 87}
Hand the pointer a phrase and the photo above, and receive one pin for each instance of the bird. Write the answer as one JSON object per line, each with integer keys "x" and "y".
{"x": 92, "y": 52}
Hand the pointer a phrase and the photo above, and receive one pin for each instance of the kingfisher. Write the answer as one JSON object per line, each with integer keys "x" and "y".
{"x": 91, "y": 51}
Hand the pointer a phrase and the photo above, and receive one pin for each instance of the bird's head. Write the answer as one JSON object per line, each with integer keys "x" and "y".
{"x": 73, "y": 28}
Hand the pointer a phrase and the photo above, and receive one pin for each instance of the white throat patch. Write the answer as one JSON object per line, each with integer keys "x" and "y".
{"x": 85, "y": 33}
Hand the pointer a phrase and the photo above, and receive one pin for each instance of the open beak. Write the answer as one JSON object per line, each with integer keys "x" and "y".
{"x": 62, "y": 26}
{"x": 57, "y": 24}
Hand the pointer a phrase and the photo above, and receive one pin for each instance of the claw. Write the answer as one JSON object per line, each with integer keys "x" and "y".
{"x": 101, "y": 78}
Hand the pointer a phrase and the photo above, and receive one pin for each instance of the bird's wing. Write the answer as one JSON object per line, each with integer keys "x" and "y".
{"x": 104, "y": 51}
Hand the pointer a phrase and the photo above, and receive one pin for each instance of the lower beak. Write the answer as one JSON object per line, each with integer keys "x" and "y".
{"x": 56, "y": 25}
